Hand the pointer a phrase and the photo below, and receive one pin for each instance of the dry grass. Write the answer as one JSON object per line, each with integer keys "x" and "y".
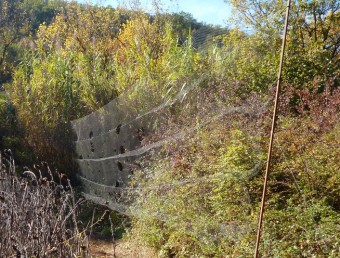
{"x": 38, "y": 214}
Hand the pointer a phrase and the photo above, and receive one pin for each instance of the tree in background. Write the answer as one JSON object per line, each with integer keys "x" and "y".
{"x": 18, "y": 21}
{"x": 42, "y": 11}
{"x": 13, "y": 26}
{"x": 313, "y": 46}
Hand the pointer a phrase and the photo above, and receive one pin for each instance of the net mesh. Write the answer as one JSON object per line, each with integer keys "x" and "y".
{"x": 186, "y": 156}
{"x": 119, "y": 147}
{"x": 118, "y": 139}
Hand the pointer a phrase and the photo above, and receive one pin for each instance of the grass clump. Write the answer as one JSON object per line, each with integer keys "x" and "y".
{"x": 38, "y": 214}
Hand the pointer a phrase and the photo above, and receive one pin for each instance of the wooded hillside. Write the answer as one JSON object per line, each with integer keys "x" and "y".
{"x": 200, "y": 195}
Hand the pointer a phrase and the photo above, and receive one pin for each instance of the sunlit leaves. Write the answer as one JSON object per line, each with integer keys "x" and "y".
{"x": 148, "y": 54}
{"x": 66, "y": 73}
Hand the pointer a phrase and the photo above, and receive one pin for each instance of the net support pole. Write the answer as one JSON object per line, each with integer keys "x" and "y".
{"x": 270, "y": 146}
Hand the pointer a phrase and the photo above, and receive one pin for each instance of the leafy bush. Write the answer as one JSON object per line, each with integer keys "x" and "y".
{"x": 200, "y": 196}
{"x": 66, "y": 75}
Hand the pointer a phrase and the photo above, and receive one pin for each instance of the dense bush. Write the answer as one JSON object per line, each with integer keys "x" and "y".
{"x": 11, "y": 135}
{"x": 66, "y": 73}
{"x": 201, "y": 195}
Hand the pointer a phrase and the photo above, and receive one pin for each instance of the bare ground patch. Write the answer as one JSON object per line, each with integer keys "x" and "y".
{"x": 126, "y": 249}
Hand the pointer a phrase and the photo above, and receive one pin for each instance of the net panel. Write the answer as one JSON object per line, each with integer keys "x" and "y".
{"x": 115, "y": 141}
{"x": 122, "y": 138}
{"x": 111, "y": 141}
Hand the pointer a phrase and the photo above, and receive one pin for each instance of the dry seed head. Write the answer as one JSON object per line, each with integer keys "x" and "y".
{"x": 43, "y": 181}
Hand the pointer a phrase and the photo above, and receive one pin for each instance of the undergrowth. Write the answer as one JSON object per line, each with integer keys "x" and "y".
{"x": 40, "y": 214}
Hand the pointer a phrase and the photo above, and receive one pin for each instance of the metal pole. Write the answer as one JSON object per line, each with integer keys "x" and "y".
{"x": 270, "y": 147}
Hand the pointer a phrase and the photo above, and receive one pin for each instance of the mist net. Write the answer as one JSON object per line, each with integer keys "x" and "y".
{"x": 117, "y": 140}
{"x": 184, "y": 156}
{"x": 117, "y": 144}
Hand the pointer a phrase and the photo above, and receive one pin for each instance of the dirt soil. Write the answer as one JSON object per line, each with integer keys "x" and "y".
{"x": 103, "y": 249}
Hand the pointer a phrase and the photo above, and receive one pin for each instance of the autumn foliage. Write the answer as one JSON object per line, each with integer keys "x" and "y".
{"x": 200, "y": 194}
